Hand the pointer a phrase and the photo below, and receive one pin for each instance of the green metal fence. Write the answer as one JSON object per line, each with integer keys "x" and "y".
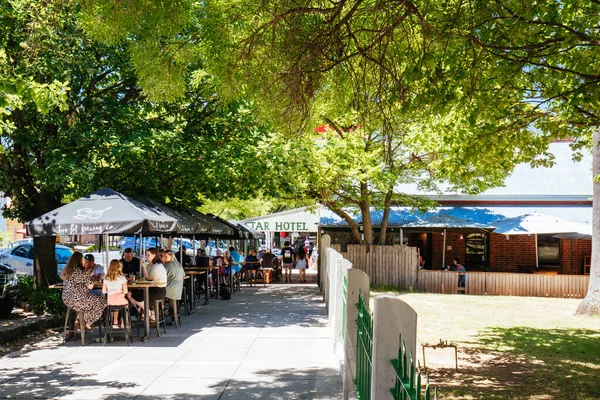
{"x": 364, "y": 350}
{"x": 344, "y": 307}
{"x": 408, "y": 383}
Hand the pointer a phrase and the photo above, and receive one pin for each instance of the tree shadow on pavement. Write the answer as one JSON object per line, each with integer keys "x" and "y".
{"x": 60, "y": 380}
{"x": 525, "y": 363}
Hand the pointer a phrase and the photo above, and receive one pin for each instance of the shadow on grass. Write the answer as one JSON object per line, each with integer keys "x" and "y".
{"x": 526, "y": 363}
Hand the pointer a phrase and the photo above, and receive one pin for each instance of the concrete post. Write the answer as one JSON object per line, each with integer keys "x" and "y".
{"x": 333, "y": 256}
{"x": 391, "y": 316}
{"x": 342, "y": 266}
{"x": 358, "y": 282}
{"x": 324, "y": 243}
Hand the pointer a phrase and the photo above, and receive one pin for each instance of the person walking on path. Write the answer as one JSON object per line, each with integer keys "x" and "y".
{"x": 287, "y": 258}
{"x": 76, "y": 292}
{"x": 302, "y": 264}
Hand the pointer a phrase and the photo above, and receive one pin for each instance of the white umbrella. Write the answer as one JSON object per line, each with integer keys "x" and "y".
{"x": 536, "y": 223}
{"x": 539, "y": 224}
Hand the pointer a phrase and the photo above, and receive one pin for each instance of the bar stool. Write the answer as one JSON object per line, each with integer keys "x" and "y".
{"x": 186, "y": 301}
{"x": 159, "y": 313}
{"x": 109, "y": 321}
{"x": 174, "y": 312}
{"x": 73, "y": 315}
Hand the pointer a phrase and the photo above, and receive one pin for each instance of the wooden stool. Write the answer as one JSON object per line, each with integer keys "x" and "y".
{"x": 159, "y": 316}
{"x": 67, "y": 329}
{"x": 109, "y": 321}
{"x": 174, "y": 312}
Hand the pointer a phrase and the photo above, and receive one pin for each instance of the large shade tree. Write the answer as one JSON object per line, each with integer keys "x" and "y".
{"x": 74, "y": 119}
{"x": 494, "y": 81}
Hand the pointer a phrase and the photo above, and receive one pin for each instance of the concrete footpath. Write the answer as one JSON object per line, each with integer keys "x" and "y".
{"x": 265, "y": 343}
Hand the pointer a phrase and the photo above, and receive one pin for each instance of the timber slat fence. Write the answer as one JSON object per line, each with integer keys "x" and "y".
{"x": 397, "y": 266}
{"x": 386, "y": 265}
{"x": 505, "y": 284}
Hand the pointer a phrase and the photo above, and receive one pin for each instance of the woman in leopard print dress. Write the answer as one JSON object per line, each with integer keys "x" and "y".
{"x": 76, "y": 291}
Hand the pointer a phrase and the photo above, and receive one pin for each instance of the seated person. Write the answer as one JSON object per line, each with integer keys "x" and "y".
{"x": 187, "y": 260}
{"x": 96, "y": 271}
{"x": 131, "y": 264}
{"x": 76, "y": 291}
{"x": 251, "y": 260}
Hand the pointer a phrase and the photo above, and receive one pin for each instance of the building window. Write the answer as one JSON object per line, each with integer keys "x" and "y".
{"x": 548, "y": 250}
{"x": 476, "y": 250}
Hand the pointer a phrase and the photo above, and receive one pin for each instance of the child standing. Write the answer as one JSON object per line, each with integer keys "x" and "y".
{"x": 115, "y": 285}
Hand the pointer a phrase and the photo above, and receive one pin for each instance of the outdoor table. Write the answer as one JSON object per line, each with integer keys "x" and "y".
{"x": 145, "y": 286}
{"x": 199, "y": 271}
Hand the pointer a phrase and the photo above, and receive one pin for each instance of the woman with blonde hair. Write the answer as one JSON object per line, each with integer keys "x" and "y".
{"x": 76, "y": 291}
{"x": 115, "y": 286}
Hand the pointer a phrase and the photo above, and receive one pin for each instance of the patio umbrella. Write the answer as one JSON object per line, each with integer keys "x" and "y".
{"x": 102, "y": 212}
{"x": 539, "y": 224}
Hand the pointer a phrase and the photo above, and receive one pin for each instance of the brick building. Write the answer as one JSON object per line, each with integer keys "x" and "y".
{"x": 563, "y": 190}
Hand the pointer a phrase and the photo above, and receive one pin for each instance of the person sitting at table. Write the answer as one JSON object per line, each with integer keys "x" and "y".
{"x": 115, "y": 286}
{"x": 76, "y": 291}
{"x": 131, "y": 264}
{"x": 203, "y": 261}
{"x": 154, "y": 272}
{"x": 175, "y": 275}
{"x": 186, "y": 261}
{"x": 96, "y": 271}
{"x": 236, "y": 258}
{"x": 302, "y": 263}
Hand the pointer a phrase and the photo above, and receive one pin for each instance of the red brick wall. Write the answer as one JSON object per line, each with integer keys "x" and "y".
{"x": 508, "y": 255}
{"x": 581, "y": 248}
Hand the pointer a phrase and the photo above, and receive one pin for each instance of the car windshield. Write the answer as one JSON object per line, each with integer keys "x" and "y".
{"x": 63, "y": 255}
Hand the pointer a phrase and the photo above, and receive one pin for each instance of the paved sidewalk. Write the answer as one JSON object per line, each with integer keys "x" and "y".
{"x": 265, "y": 343}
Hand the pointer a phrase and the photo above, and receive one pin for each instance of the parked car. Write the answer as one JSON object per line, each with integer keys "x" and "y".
{"x": 20, "y": 258}
{"x": 211, "y": 247}
{"x": 9, "y": 289}
{"x": 20, "y": 241}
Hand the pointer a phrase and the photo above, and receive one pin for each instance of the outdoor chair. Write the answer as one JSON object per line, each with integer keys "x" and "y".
{"x": 159, "y": 315}
{"x": 174, "y": 312}
{"x": 70, "y": 318}
{"x": 109, "y": 322}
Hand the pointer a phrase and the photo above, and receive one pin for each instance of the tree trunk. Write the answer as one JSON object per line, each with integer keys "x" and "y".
{"x": 44, "y": 262}
{"x": 591, "y": 303}
{"x": 365, "y": 209}
{"x": 366, "y": 223}
{"x": 385, "y": 218}
{"x": 346, "y": 217}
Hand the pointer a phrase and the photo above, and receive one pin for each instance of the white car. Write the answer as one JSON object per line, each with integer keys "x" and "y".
{"x": 20, "y": 258}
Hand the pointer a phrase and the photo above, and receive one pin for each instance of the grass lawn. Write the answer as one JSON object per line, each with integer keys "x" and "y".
{"x": 509, "y": 347}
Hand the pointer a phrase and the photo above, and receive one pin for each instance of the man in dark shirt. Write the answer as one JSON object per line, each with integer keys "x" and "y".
{"x": 266, "y": 261}
{"x": 187, "y": 260}
{"x": 131, "y": 264}
{"x": 287, "y": 258}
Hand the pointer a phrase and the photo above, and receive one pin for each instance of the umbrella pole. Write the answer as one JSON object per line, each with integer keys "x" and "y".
{"x": 161, "y": 241}
{"x": 107, "y": 249}
{"x": 444, "y": 250}
{"x": 142, "y": 253}
{"x": 401, "y": 237}
{"x": 181, "y": 250}
{"x": 537, "y": 259}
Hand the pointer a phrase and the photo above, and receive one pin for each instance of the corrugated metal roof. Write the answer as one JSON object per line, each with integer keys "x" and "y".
{"x": 401, "y": 216}
{"x": 565, "y": 178}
